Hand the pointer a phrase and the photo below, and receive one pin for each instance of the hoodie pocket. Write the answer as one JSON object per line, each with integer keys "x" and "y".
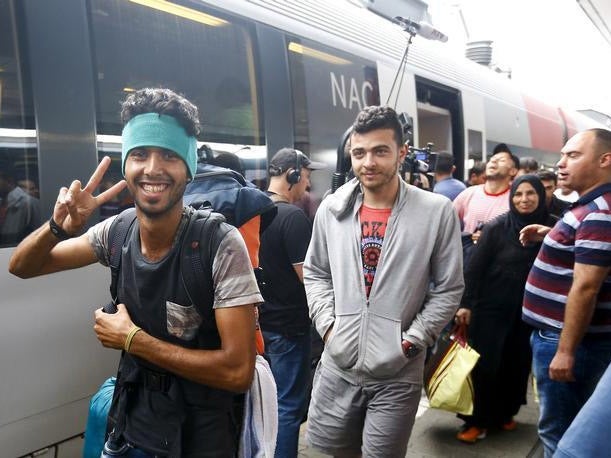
{"x": 343, "y": 342}
{"x": 383, "y": 353}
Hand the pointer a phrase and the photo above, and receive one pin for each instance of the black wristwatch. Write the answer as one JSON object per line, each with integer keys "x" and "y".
{"x": 409, "y": 349}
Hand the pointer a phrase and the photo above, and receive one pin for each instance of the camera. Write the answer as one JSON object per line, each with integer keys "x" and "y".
{"x": 420, "y": 160}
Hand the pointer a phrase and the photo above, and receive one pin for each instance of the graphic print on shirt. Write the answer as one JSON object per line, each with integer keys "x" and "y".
{"x": 373, "y": 230}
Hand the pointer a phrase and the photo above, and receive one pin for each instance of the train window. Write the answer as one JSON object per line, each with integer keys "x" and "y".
{"x": 329, "y": 88}
{"x": 16, "y": 108}
{"x": 476, "y": 145}
{"x": 19, "y": 203}
{"x": 207, "y": 58}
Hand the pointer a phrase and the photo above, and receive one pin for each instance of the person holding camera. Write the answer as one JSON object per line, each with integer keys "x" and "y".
{"x": 383, "y": 276}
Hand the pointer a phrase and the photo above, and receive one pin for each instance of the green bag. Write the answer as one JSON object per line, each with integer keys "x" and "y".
{"x": 450, "y": 386}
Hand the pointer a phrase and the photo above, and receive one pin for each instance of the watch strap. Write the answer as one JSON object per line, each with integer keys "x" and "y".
{"x": 58, "y": 231}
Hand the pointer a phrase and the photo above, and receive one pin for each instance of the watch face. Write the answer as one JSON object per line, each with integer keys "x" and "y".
{"x": 412, "y": 351}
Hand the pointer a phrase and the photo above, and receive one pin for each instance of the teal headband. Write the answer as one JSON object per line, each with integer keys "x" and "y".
{"x": 162, "y": 131}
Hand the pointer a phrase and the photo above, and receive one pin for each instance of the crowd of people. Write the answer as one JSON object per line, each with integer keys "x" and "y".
{"x": 378, "y": 274}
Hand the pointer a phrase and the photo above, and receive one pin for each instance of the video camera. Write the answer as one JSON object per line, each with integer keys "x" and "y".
{"x": 420, "y": 160}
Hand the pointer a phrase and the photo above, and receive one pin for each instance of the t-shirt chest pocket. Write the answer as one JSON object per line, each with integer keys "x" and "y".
{"x": 182, "y": 321}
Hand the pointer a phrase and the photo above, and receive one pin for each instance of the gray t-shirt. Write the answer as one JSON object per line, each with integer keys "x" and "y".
{"x": 232, "y": 275}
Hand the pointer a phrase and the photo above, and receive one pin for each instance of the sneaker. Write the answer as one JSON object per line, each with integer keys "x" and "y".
{"x": 509, "y": 426}
{"x": 471, "y": 434}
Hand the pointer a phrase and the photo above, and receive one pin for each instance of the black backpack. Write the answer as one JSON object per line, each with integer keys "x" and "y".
{"x": 199, "y": 246}
{"x": 213, "y": 188}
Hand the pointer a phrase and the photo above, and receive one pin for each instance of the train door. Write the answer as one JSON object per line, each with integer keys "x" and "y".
{"x": 439, "y": 119}
{"x": 329, "y": 87}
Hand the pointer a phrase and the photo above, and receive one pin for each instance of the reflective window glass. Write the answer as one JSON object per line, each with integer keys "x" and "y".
{"x": 19, "y": 194}
{"x": 475, "y": 145}
{"x": 206, "y": 57}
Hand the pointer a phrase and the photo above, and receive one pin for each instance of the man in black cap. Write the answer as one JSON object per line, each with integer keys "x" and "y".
{"x": 284, "y": 314}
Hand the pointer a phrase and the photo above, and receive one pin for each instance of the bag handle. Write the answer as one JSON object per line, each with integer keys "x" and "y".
{"x": 459, "y": 334}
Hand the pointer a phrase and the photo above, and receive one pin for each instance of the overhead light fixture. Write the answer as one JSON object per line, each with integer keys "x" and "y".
{"x": 316, "y": 54}
{"x": 182, "y": 11}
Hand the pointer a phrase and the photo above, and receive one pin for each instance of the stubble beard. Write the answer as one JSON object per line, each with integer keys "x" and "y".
{"x": 175, "y": 197}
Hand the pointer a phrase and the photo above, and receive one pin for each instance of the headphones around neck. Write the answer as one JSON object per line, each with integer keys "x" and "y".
{"x": 294, "y": 175}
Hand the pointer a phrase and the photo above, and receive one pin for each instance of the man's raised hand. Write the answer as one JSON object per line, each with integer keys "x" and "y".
{"x": 533, "y": 233}
{"x": 75, "y": 204}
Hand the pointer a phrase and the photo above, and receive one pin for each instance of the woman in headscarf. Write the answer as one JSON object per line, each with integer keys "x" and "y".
{"x": 491, "y": 306}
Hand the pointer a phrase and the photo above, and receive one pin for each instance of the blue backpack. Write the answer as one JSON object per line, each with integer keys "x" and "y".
{"x": 228, "y": 193}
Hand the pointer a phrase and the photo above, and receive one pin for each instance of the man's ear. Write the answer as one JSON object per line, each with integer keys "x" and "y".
{"x": 402, "y": 153}
{"x": 605, "y": 160}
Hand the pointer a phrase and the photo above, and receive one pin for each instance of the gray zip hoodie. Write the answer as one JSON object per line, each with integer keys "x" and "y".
{"x": 417, "y": 286}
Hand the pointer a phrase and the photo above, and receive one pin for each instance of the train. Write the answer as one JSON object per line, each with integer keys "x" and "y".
{"x": 265, "y": 74}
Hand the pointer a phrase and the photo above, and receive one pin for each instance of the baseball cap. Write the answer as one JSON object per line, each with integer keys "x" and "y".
{"x": 286, "y": 158}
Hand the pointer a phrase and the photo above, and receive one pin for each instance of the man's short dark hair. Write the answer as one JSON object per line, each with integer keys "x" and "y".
{"x": 514, "y": 158}
{"x": 162, "y": 101}
{"x": 378, "y": 117}
{"x": 602, "y": 138}
{"x": 229, "y": 161}
{"x": 501, "y": 148}
{"x": 529, "y": 164}
{"x": 445, "y": 162}
{"x": 547, "y": 175}
{"x": 478, "y": 168}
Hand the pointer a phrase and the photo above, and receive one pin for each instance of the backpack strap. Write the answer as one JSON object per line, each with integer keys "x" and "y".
{"x": 202, "y": 239}
{"x": 117, "y": 236}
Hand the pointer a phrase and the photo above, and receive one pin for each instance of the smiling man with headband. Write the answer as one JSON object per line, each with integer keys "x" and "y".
{"x": 185, "y": 365}
{"x": 162, "y": 131}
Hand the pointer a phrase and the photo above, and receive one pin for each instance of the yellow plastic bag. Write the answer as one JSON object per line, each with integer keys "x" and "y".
{"x": 450, "y": 386}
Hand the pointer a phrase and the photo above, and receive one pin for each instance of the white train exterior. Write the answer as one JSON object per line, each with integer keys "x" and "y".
{"x": 265, "y": 74}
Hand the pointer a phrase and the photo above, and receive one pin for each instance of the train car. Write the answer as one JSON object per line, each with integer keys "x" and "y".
{"x": 265, "y": 74}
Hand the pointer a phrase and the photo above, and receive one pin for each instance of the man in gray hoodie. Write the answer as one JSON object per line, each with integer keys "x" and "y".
{"x": 383, "y": 276}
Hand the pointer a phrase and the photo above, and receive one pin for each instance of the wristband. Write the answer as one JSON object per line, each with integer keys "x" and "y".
{"x": 58, "y": 231}
{"x": 130, "y": 335}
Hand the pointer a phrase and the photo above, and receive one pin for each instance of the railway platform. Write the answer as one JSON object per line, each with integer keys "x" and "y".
{"x": 434, "y": 434}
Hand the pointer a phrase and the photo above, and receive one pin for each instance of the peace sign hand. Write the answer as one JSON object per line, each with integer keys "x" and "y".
{"x": 75, "y": 204}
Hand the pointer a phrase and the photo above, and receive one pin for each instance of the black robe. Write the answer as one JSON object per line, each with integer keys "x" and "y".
{"x": 494, "y": 287}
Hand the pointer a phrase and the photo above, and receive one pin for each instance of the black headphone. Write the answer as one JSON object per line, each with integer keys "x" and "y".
{"x": 294, "y": 176}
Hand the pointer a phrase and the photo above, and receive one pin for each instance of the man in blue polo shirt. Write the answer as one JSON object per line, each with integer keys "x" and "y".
{"x": 568, "y": 291}
{"x": 445, "y": 183}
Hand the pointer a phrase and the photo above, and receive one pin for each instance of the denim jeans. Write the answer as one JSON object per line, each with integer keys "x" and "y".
{"x": 559, "y": 402}
{"x": 588, "y": 435}
{"x": 289, "y": 360}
